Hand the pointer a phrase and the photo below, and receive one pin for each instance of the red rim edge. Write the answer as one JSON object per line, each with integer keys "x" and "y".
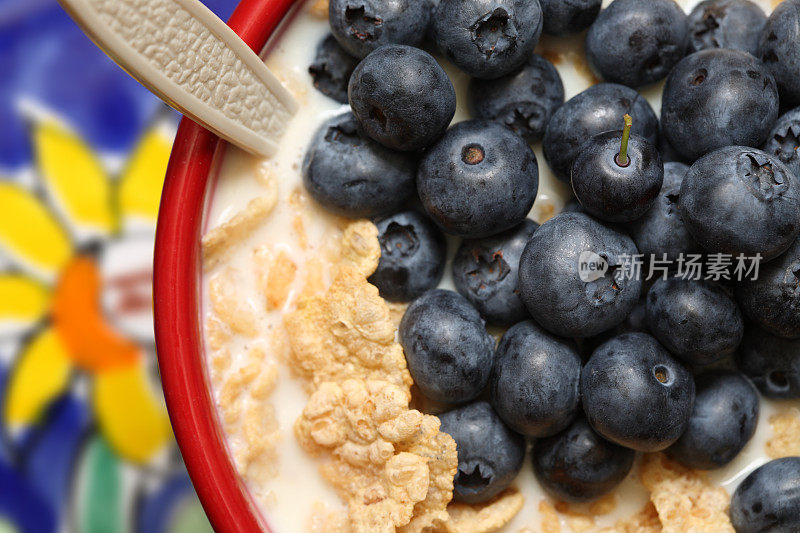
{"x": 176, "y": 300}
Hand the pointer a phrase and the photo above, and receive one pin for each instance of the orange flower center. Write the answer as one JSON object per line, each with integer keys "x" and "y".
{"x": 79, "y": 320}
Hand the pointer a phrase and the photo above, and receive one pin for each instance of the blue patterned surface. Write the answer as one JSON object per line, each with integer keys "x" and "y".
{"x": 60, "y": 474}
{"x": 46, "y": 59}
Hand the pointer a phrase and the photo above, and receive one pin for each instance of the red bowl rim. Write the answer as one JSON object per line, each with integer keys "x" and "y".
{"x": 176, "y": 300}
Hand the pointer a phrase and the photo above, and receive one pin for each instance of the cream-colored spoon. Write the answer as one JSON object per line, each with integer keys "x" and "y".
{"x": 194, "y": 62}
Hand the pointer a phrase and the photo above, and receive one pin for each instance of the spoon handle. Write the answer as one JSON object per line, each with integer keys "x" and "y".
{"x": 195, "y": 63}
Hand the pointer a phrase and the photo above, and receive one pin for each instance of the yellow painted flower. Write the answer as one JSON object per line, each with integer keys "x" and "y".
{"x": 57, "y": 290}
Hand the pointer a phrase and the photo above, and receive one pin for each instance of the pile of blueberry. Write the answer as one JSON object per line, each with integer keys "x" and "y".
{"x": 591, "y": 368}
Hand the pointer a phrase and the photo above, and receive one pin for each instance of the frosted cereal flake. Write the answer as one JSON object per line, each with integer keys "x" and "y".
{"x": 325, "y": 520}
{"x": 551, "y": 523}
{"x": 685, "y": 500}
{"x": 248, "y": 415}
{"x": 483, "y": 517}
{"x": 785, "y": 441}
{"x": 396, "y": 312}
{"x": 387, "y": 462}
{"x": 581, "y": 516}
{"x": 299, "y": 227}
{"x": 217, "y": 333}
{"x": 220, "y": 239}
{"x": 225, "y": 303}
{"x": 360, "y": 247}
{"x": 346, "y": 333}
{"x": 276, "y": 273}
{"x": 598, "y": 507}
{"x": 645, "y": 521}
{"x": 319, "y": 8}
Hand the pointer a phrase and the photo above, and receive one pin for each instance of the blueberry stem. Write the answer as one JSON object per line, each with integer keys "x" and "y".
{"x": 622, "y": 156}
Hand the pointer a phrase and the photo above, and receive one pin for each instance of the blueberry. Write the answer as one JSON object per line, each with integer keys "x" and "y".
{"x": 635, "y": 322}
{"x": 487, "y": 38}
{"x": 773, "y": 300}
{"x": 696, "y": 320}
{"x": 480, "y": 179}
{"x": 523, "y": 100}
{"x": 565, "y": 17}
{"x": 490, "y": 455}
{"x": 636, "y": 394}
{"x": 769, "y": 499}
{"x": 735, "y": 24}
{"x": 486, "y": 272}
{"x": 779, "y": 49}
{"x": 402, "y": 97}
{"x": 612, "y": 188}
{"x": 434, "y": 5}
{"x": 784, "y": 140}
{"x": 661, "y": 230}
{"x": 362, "y": 26}
{"x": 413, "y": 254}
{"x": 717, "y": 98}
{"x": 595, "y": 110}
{"x": 771, "y": 362}
{"x": 352, "y": 175}
{"x": 637, "y": 42}
{"x": 573, "y": 206}
{"x": 723, "y": 420}
{"x": 331, "y": 69}
{"x": 668, "y": 152}
{"x": 534, "y": 384}
{"x": 562, "y": 298}
{"x": 448, "y": 350}
{"x": 578, "y": 465}
{"x": 741, "y": 200}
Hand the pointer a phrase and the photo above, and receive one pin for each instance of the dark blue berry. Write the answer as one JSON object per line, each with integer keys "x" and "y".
{"x": 772, "y": 300}
{"x": 448, "y": 350}
{"x": 558, "y": 296}
{"x": 565, "y": 17}
{"x": 717, "y": 98}
{"x": 534, "y": 384}
{"x": 524, "y": 100}
{"x": 352, "y": 175}
{"x": 402, "y": 97}
{"x": 573, "y": 206}
{"x": 636, "y": 394}
{"x": 487, "y": 38}
{"x": 740, "y": 200}
{"x": 597, "y": 109}
{"x": 331, "y": 69}
{"x": 771, "y": 362}
{"x": 490, "y": 455}
{"x": 578, "y": 465}
{"x": 661, "y": 230}
{"x": 635, "y": 322}
{"x": 480, "y": 179}
{"x": 668, "y": 152}
{"x": 637, "y": 42}
{"x": 723, "y": 420}
{"x": 779, "y": 49}
{"x": 735, "y": 24}
{"x": 614, "y": 190}
{"x": 362, "y": 26}
{"x": 413, "y": 254}
{"x": 784, "y": 140}
{"x": 429, "y": 36}
{"x": 696, "y": 320}
{"x": 768, "y": 500}
{"x": 486, "y": 272}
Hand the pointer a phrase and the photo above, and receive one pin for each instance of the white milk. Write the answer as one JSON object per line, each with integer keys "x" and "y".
{"x": 286, "y": 500}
